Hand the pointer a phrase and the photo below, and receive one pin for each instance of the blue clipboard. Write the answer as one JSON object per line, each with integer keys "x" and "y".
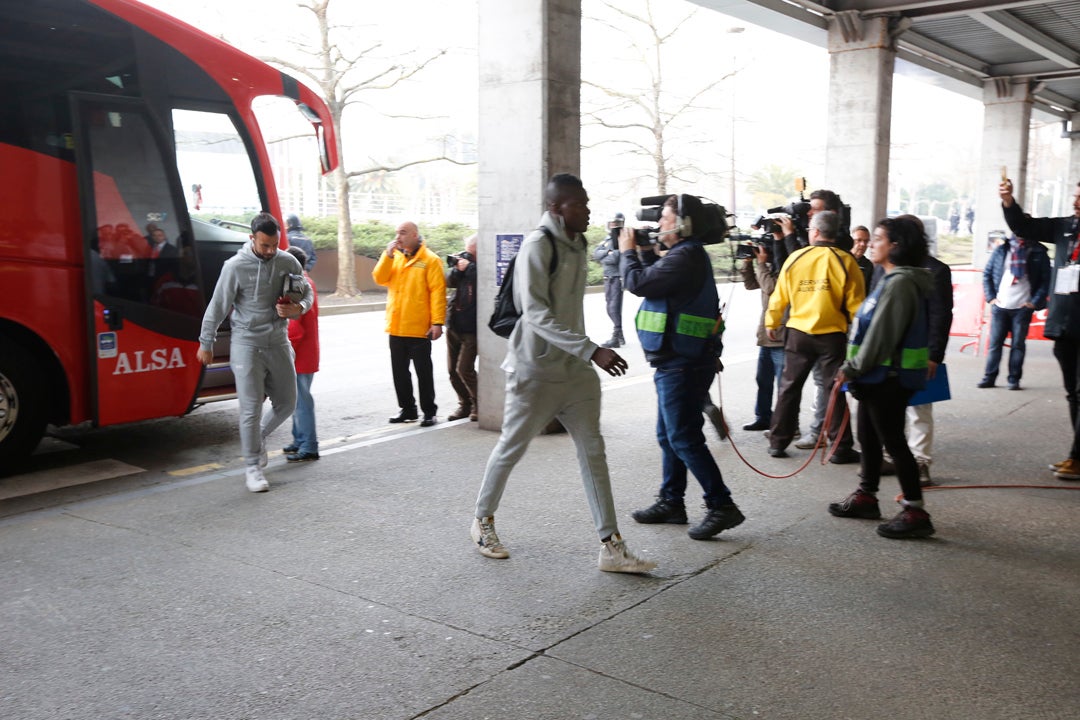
{"x": 936, "y": 389}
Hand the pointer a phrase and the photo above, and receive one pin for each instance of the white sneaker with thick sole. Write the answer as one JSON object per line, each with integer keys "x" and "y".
{"x": 255, "y": 480}
{"x": 807, "y": 442}
{"x": 487, "y": 541}
{"x": 615, "y": 557}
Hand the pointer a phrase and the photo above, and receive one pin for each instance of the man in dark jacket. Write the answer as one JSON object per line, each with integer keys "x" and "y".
{"x": 677, "y": 326}
{"x": 294, "y": 231}
{"x": 461, "y": 332}
{"x": 607, "y": 254}
{"x": 1016, "y": 281}
{"x": 1063, "y": 318}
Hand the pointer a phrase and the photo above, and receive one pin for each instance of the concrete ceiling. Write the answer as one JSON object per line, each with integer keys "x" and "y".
{"x": 958, "y": 44}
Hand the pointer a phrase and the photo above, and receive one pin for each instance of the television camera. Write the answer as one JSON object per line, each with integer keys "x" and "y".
{"x": 697, "y": 217}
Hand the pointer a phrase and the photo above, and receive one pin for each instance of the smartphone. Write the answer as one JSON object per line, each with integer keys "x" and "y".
{"x": 1004, "y": 174}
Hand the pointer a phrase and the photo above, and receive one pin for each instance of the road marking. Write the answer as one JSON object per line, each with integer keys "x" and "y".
{"x": 196, "y": 469}
{"x": 54, "y": 479}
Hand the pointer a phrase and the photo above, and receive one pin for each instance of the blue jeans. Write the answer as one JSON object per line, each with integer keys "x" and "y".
{"x": 681, "y": 394}
{"x": 770, "y": 367}
{"x": 1005, "y": 322}
{"x": 303, "y": 419}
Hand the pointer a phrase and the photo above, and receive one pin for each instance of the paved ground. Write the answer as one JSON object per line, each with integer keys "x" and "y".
{"x": 351, "y": 590}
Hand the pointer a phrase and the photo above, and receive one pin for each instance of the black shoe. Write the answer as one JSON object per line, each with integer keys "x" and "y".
{"x": 661, "y": 511}
{"x": 405, "y": 416}
{"x": 908, "y": 523}
{"x": 289, "y": 449}
{"x": 858, "y": 504}
{"x": 756, "y": 426}
{"x": 778, "y": 452}
{"x": 614, "y": 342}
{"x": 985, "y": 383}
{"x": 301, "y": 456}
{"x": 428, "y": 421}
{"x": 845, "y": 457}
{"x": 1014, "y": 386}
{"x": 716, "y": 521}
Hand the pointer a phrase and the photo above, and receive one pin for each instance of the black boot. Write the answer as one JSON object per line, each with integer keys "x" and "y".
{"x": 615, "y": 341}
{"x": 716, "y": 521}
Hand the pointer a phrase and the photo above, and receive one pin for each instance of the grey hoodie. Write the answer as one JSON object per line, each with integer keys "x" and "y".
{"x": 249, "y": 287}
{"x": 549, "y": 341}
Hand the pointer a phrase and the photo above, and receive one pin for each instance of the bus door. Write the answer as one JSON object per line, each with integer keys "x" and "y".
{"x": 144, "y": 298}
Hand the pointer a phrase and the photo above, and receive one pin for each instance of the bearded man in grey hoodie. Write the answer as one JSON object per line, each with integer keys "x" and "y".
{"x": 259, "y": 289}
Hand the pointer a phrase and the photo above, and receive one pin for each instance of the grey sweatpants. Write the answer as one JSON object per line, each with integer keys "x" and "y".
{"x": 260, "y": 373}
{"x": 530, "y": 406}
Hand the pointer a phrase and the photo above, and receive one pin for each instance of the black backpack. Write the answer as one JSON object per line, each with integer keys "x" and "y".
{"x": 505, "y": 316}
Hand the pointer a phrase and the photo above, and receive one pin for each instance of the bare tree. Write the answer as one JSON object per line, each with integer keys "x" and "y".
{"x": 643, "y": 120}
{"x": 346, "y": 76}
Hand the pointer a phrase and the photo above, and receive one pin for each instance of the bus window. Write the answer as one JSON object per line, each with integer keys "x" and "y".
{"x": 215, "y": 168}
{"x": 139, "y": 244}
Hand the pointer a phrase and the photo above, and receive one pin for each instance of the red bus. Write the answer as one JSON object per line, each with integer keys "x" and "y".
{"x": 118, "y": 121}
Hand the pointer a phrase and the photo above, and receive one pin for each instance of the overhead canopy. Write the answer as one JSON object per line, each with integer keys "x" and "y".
{"x": 959, "y": 44}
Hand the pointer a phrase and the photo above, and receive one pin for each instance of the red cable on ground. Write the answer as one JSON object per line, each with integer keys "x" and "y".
{"x": 825, "y": 457}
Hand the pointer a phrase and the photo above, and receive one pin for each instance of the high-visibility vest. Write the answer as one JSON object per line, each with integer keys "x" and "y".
{"x": 695, "y": 326}
{"x": 911, "y": 358}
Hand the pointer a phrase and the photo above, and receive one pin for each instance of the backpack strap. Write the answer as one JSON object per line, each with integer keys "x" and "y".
{"x": 554, "y": 250}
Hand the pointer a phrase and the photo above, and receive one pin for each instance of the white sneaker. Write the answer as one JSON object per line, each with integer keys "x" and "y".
{"x": 487, "y": 542}
{"x": 807, "y": 442}
{"x": 614, "y": 557}
{"x": 256, "y": 482}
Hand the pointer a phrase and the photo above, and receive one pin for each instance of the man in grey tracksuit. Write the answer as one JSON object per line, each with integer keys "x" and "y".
{"x": 259, "y": 289}
{"x": 549, "y": 373}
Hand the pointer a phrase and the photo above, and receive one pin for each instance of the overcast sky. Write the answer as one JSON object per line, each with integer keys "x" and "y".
{"x": 780, "y": 91}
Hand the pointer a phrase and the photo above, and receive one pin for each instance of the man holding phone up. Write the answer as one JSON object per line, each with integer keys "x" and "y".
{"x": 415, "y": 314}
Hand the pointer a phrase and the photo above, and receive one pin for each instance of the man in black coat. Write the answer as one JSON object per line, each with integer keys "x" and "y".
{"x": 1063, "y": 318}
{"x": 461, "y": 332}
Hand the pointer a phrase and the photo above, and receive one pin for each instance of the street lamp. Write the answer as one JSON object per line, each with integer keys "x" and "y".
{"x": 734, "y": 79}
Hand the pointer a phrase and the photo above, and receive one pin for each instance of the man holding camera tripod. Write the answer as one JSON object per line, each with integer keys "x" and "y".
{"x": 677, "y": 325}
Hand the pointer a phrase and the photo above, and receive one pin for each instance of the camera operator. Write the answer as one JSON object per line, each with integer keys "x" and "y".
{"x": 607, "y": 254}
{"x": 677, "y": 325}
{"x": 760, "y": 271}
{"x": 822, "y": 286}
{"x": 461, "y": 330}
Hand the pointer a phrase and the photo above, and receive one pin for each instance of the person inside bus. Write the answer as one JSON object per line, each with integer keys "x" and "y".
{"x": 159, "y": 244}
{"x": 251, "y": 292}
{"x": 177, "y": 288}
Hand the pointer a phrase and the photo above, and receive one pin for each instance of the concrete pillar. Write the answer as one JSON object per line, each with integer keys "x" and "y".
{"x": 1006, "y": 120}
{"x": 861, "y": 59}
{"x": 1074, "y": 158}
{"x": 530, "y": 129}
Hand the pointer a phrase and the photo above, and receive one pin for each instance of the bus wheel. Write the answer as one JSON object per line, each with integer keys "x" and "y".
{"x": 23, "y": 404}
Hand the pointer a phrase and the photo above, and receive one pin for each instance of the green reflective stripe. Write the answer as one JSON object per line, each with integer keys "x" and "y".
{"x": 910, "y": 358}
{"x": 915, "y": 358}
{"x": 695, "y": 326}
{"x": 650, "y": 321}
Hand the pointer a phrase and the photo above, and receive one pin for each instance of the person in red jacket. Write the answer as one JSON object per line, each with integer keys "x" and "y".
{"x": 304, "y": 336}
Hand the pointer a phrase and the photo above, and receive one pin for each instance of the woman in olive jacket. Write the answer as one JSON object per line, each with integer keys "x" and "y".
{"x": 888, "y": 356}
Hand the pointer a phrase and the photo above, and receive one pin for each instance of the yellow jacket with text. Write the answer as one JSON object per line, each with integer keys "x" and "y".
{"x": 417, "y": 291}
{"x": 824, "y": 287}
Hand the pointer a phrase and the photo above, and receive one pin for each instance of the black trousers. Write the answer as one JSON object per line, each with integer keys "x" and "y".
{"x": 1067, "y": 352}
{"x": 882, "y": 410}
{"x": 404, "y": 350}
